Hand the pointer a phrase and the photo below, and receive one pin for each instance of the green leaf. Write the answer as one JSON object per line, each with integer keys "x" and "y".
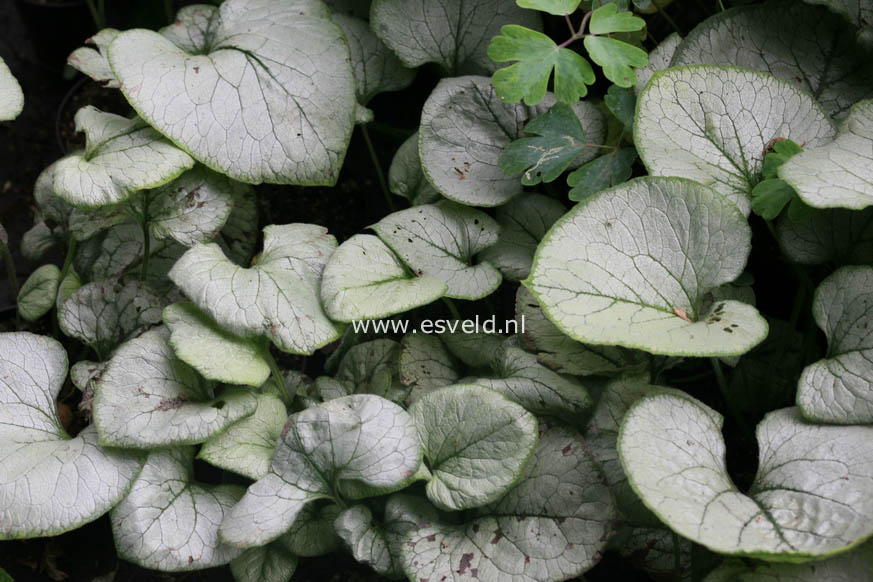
{"x": 622, "y": 102}
{"x": 258, "y": 91}
{"x": 608, "y": 170}
{"x": 364, "y": 279}
{"x": 551, "y": 526}
{"x": 858, "y": 12}
{"x": 93, "y": 61}
{"x": 673, "y": 452}
{"x": 217, "y": 354}
{"x": 476, "y": 442}
{"x": 168, "y": 521}
{"x": 270, "y": 563}
{"x": 121, "y": 157}
{"x": 539, "y": 390}
{"x": 601, "y": 434}
{"x": 50, "y": 483}
{"x": 375, "y": 67}
{"x": 425, "y": 364}
{"x": 148, "y": 399}
{"x": 440, "y": 241}
{"x": 607, "y": 19}
{"x": 659, "y": 59}
{"x": 801, "y": 44}
{"x": 544, "y": 158}
{"x": 537, "y": 55}
{"x": 476, "y": 350}
{"x": 770, "y": 196}
{"x": 839, "y": 174}
{"x": 276, "y": 298}
{"x": 833, "y": 235}
{"x": 377, "y": 543}
{"x": 352, "y": 446}
{"x": 11, "y": 96}
{"x": 713, "y": 125}
{"x": 406, "y": 178}
{"x": 605, "y": 278}
{"x": 103, "y": 315}
{"x": 370, "y": 367}
{"x": 839, "y": 388}
{"x": 464, "y": 129}
{"x": 561, "y": 353}
{"x": 246, "y": 447}
{"x": 556, "y": 7}
{"x": 453, "y": 34}
{"x": 523, "y": 222}
{"x": 851, "y": 566}
{"x": 618, "y": 59}
{"x": 312, "y": 533}
{"x": 38, "y": 293}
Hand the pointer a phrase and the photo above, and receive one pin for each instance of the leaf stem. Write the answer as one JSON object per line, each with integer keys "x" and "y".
{"x": 452, "y": 307}
{"x": 276, "y": 374}
{"x": 577, "y": 34}
{"x": 666, "y": 17}
{"x": 379, "y": 174}
{"x": 68, "y": 259}
{"x": 570, "y": 25}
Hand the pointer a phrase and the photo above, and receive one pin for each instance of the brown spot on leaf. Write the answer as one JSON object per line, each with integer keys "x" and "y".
{"x": 171, "y": 403}
{"x": 566, "y": 450}
{"x": 465, "y": 563}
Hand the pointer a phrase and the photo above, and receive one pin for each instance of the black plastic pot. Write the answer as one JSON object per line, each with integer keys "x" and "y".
{"x": 55, "y": 27}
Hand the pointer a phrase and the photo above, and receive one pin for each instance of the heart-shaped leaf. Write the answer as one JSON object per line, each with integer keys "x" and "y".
{"x": 713, "y": 125}
{"x": 364, "y": 279}
{"x": 38, "y": 293}
{"x": 539, "y": 390}
{"x": 247, "y": 446}
{"x": 50, "y": 483}
{"x": 105, "y": 314}
{"x": 405, "y": 177}
{"x": 633, "y": 266}
{"x": 831, "y": 235}
{"x": 523, "y": 222}
{"x": 464, "y": 130}
{"x": 370, "y": 368}
{"x": 440, "y": 241}
{"x": 170, "y": 522}
{"x": 93, "y": 61}
{"x": 376, "y": 68}
{"x": 854, "y": 566}
{"x": 659, "y": 59}
{"x": 262, "y": 92}
{"x": 312, "y": 533}
{"x": 840, "y": 174}
{"x": 217, "y": 354}
{"x": 377, "y": 543}
{"x": 839, "y": 388}
{"x": 270, "y": 563}
{"x": 11, "y": 96}
{"x": 453, "y": 34}
{"x": 353, "y": 446}
{"x": 121, "y": 156}
{"x": 277, "y": 298}
{"x": 551, "y": 526}
{"x": 476, "y": 442}
{"x": 425, "y": 364}
{"x": 147, "y": 398}
{"x": 790, "y": 40}
{"x": 812, "y": 496}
